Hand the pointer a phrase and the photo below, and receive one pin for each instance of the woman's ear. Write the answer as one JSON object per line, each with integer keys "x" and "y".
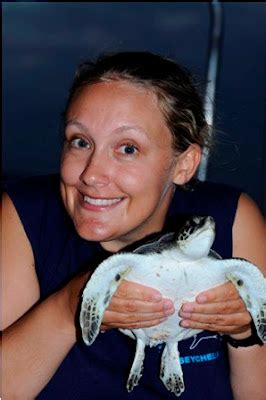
{"x": 187, "y": 164}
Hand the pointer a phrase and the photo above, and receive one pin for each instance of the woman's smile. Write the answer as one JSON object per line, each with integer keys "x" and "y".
{"x": 100, "y": 203}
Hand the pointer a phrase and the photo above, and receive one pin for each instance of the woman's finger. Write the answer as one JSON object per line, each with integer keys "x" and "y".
{"x": 237, "y": 319}
{"x": 224, "y": 292}
{"x": 132, "y": 325}
{"x": 132, "y": 290}
{"x": 117, "y": 319}
{"x": 225, "y": 307}
{"x": 226, "y": 329}
{"x": 142, "y": 307}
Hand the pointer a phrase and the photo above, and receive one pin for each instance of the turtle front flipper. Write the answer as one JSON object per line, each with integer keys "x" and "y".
{"x": 251, "y": 285}
{"x": 171, "y": 372}
{"x": 137, "y": 366}
{"x": 99, "y": 290}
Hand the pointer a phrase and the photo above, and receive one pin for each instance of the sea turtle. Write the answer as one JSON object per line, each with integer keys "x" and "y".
{"x": 180, "y": 267}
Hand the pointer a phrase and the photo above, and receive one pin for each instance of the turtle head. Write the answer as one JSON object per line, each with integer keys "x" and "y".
{"x": 196, "y": 237}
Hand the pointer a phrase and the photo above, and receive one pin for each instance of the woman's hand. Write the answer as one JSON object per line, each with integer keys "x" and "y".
{"x": 136, "y": 306}
{"x": 220, "y": 309}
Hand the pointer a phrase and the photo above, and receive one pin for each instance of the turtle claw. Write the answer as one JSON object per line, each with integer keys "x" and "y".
{"x": 132, "y": 381}
{"x": 179, "y": 386}
{"x": 174, "y": 383}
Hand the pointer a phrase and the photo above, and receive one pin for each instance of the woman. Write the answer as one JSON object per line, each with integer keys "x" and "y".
{"x": 134, "y": 131}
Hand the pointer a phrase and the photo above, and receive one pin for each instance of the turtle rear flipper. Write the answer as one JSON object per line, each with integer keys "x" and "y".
{"x": 171, "y": 372}
{"x": 99, "y": 290}
{"x": 137, "y": 366}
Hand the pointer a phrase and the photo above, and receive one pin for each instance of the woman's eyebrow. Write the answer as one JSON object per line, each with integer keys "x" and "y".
{"x": 137, "y": 128}
{"x": 119, "y": 130}
{"x": 76, "y": 123}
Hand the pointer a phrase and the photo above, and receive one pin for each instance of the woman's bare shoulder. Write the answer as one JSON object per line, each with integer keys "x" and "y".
{"x": 249, "y": 232}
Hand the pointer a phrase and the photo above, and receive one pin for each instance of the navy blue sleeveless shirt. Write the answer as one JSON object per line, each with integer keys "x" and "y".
{"x": 100, "y": 372}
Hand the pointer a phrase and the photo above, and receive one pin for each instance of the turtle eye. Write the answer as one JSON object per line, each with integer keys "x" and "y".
{"x": 240, "y": 282}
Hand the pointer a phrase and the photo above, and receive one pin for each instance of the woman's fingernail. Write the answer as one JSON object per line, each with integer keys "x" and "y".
{"x": 157, "y": 297}
{"x": 185, "y": 323}
{"x": 168, "y": 305}
{"x": 202, "y": 299}
{"x": 185, "y": 315}
{"x": 187, "y": 307}
{"x": 170, "y": 311}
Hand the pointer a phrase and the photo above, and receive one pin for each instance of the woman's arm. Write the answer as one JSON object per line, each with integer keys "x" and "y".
{"x": 20, "y": 288}
{"x": 248, "y": 365}
{"x": 37, "y": 342}
{"x": 38, "y": 335}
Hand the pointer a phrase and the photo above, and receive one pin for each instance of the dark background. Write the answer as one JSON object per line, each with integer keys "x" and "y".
{"x": 43, "y": 43}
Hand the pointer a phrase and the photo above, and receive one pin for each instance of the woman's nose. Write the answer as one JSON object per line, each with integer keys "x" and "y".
{"x": 96, "y": 172}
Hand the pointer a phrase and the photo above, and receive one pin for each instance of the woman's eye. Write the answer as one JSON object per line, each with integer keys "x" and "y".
{"x": 80, "y": 143}
{"x": 128, "y": 149}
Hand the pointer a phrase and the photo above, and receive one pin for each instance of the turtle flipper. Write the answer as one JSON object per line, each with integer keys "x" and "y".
{"x": 251, "y": 285}
{"x": 157, "y": 245}
{"x": 171, "y": 372}
{"x": 98, "y": 293}
{"x": 90, "y": 320}
{"x": 137, "y": 366}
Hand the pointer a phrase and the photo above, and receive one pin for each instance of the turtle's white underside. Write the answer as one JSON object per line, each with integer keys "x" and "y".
{"x": 180, "y": 278}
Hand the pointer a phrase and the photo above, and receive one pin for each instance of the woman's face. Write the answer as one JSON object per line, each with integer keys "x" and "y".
{"x": 117, "y": 164}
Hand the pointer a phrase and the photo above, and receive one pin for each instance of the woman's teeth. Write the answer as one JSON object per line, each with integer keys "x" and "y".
{"x": 101, "y": 202}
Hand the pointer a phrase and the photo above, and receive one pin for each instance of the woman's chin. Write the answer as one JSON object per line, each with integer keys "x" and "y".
{"x": 94, "y": 233}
